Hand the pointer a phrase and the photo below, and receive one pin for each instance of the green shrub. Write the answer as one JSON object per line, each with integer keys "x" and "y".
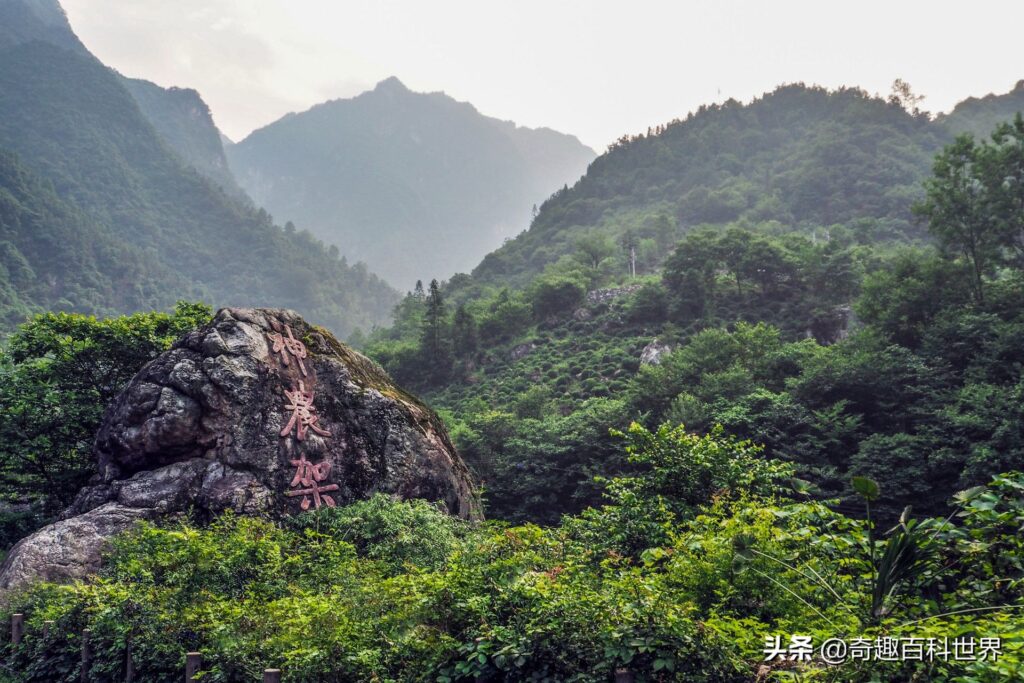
{"x": 399, "y": 534}
{"x": 555, "y": 295}
{"x": 649, "y": 304}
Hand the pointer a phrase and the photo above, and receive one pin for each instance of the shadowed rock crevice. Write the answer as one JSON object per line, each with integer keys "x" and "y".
{"x": 199, "y": 430}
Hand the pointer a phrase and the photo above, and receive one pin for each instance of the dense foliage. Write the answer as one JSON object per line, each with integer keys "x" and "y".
{"x": 801, "y": 157}
{"x": 975, "y": 202}
{"x": 54, "y": 256}
{"x": 184, "y": 122}
{"x": 680, "y": 576}
{"x": 842, "y": 354}
{"x": 57, "y": 375}
{"x": 920, "y": 388}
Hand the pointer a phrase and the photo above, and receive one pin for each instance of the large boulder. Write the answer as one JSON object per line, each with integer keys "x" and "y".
{"x": 68, "y": 549}
{"x": 257, "y": 412}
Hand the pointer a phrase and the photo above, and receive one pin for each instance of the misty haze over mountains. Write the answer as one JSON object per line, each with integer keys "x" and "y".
{"x": 419, "y": 184}
{"x": 115, "y": 197}
{"x": 416, "y": 185}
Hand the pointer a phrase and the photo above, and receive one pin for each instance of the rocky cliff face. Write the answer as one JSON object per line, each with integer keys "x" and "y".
{"x": 257, "y": 412}
{"x": 183, "y": 120}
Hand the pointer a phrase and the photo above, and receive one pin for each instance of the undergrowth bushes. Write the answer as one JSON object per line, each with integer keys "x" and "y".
{"x": 691, "y": 563}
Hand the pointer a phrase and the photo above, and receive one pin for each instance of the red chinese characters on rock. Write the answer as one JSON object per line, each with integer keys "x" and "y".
{"x": 309, "y": 477}
{"x": 300, "y": 402}
{"x": 309, "y": 480}
{"x": 288, "y": 346}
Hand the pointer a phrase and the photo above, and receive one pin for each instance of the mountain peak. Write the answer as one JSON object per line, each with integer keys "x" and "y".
{"x": 415, "y": 184}
{"x": 22, "y": 21}
{"x": 48, "y": 12}
{"x": 391, "y": 85}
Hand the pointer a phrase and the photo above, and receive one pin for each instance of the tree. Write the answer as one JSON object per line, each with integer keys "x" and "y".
{"x": 685, "y": 470}
{"x": 507, "y": 315}
{"x": 534, "y": 403}
{"x": 435, "y": 344}
{"x": 408, "y": 318}
{"x": 649, "y": 305}
{"x": 690, "y": 273}
{"x": 464, "y": 333}
{"x": 766, "y": 262}
{"x": 1003, "y": 167}
{"x": 974, "y": 202}
{"x": 593, "y": 249}
{"x": 733, "y": 248}
{"x": 629, "y": 242}
{"x": 903, "y": 96}
{"x": 903, "y": 299}
{"x": 553, "y": 295}
{"x": 957, "y": 210}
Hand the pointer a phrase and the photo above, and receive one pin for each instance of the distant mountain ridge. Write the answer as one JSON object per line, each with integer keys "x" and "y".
{"x": 800, "y": 156}
{"x": 180, "y": 115}
{"x": 79, "y": 133}
{"x": 418, "y": 185}
{"x": 979, "y": 115}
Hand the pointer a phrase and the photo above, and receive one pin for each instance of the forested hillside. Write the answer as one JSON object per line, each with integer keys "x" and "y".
{"x": 55, "y": 257}
{"x": 979, "y": 115}
{"x": 800, "y": 157}
{"x": 417, "y": 185}
{"x": 767, "y": 263}
{"x": 73, "y": 123}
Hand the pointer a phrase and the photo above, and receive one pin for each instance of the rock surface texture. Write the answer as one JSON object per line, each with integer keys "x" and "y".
{"x": 603, "y": 296}
{"x": 256, "y": 412}
{"x": 654, "y": 352}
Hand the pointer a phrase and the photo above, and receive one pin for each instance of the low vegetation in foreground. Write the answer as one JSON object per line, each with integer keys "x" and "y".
{"x": 693, "y": 560}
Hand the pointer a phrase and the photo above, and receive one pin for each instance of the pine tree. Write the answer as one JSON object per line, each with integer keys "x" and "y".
{"x": 464, "y": 333}
{"x": 435, "y": 342}
{"x": 629, "y": 241}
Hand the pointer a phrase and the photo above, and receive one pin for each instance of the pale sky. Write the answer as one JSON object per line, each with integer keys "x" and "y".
{"x": 596, "y": 69}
